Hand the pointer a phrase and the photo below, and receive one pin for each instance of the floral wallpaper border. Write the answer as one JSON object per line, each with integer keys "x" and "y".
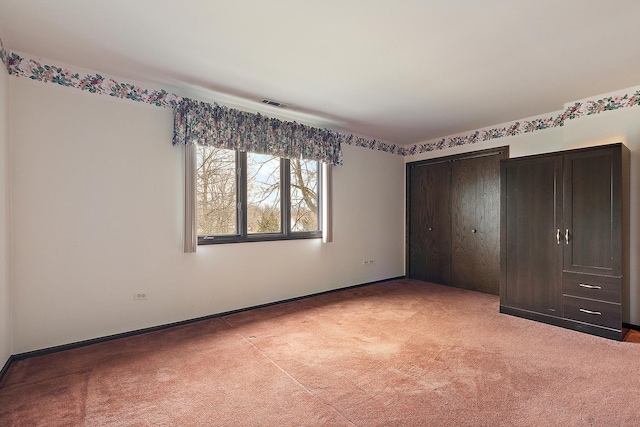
{"x": 3, "y": 54}
{"x": 575, "y": 111}
{"x": 95, "y": 83}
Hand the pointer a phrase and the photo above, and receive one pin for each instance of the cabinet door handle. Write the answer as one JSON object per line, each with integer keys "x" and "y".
{"x": 430, "y": 228}
{"x": 595, "y": 313}
{"x": 566, "y": 236}
{"x": 584, "y": 285}
{"x": 558, "y": 236}
{"x": 474, "y": 231}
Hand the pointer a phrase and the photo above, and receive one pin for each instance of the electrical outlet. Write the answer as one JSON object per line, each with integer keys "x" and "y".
{"x": 367, "y": 261}
{"x": 139, "y": 295}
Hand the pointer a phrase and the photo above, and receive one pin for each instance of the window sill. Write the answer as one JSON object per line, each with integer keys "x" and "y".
{"x": 217, "y": 240}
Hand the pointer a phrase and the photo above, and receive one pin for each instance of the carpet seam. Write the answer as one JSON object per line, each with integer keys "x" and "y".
{"x": 274, "y": 363}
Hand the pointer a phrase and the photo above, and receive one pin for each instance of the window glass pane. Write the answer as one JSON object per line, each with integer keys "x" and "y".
{"x": 304, "y": 195}
{"x": 216, "y": 191}
{"x": 263, "y": 194}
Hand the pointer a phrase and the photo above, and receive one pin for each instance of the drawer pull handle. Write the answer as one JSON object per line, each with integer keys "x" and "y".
{"x": 584, "y": 285}
{"x": 595, "y": 313}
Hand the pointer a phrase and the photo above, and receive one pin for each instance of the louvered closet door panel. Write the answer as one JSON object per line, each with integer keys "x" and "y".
{"x": 475, "y": 224}
{"x": 531, "y": 217}
{"x": 591, "y": 218}
{"x": 430, "y": 223}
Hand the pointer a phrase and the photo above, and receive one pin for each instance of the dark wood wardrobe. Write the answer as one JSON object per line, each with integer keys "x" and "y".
{"x": 565, "y": 238}
{"x": 453, "y": 220}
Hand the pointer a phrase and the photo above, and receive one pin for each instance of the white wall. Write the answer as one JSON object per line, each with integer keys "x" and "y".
{"x": 621, "y": 125}
{"x": 5, "y": 277}
{"x": 97, "y": 214}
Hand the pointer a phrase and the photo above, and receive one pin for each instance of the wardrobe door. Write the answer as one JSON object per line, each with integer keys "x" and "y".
{"x": 592, "y": 212}
{"x": 430, "y": 222}
{"x": 475, "y": 223}
{"x": 531, "y": 225}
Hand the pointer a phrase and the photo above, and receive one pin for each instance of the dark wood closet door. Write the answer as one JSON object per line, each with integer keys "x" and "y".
{"x": 531, "y": 235}
{"x": 592, "y": 212}
{"x": 475, "y": 225}
{"x": 430, "y": 223}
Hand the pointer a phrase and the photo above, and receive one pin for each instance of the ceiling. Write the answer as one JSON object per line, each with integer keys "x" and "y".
{"x": 399, "y": 71}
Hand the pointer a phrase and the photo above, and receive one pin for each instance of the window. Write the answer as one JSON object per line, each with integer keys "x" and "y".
{"x": 249, "y": 197}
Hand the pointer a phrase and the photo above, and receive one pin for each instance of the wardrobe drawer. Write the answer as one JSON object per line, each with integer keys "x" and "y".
{"x": 595, "y": 312}
{"x": 603, "y": 288}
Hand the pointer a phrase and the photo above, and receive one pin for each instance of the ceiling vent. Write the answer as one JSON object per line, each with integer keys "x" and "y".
{"x": 274, "y": 103}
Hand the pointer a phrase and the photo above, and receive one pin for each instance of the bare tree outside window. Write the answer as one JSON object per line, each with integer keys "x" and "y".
{"x": 228, "y": 180}
{"x": 304, "y": 195}
{"x": 263, "y": 194}
{"x": 216, "y": 191}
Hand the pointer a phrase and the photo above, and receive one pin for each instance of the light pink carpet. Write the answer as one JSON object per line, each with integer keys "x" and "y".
{"x": 400, "y": 353}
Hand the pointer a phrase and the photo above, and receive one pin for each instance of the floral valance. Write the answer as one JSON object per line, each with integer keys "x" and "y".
{"x": 202, "y": 123}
